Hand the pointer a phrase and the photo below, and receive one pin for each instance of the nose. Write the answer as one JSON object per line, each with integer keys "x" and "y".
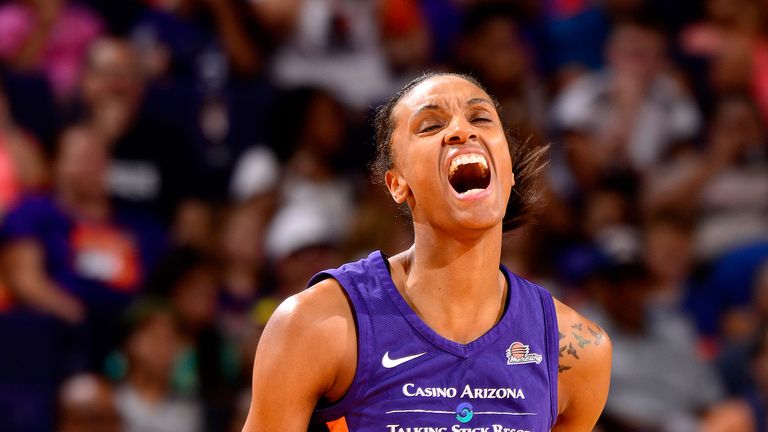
{"x": 460, "y": 132}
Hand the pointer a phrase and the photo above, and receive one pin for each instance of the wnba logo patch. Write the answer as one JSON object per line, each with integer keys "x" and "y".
{"x": 517, "y": 353}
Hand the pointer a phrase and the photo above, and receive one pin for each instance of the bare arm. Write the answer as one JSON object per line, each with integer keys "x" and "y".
{"x": 278, "y": 16}
{"x": 29, "y": 160}
{"x": 682, "y": 193}
{"x": 723, "y": 151}
{"x": 308, "y": 352}
{"x": 23, "y": 265}
{"x": 240, "y": 49}
{"x": 46, "y": 13}
{"x": 585, "y": 370}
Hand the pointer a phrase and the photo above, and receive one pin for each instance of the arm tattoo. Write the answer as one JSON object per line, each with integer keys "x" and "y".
{"x": 578, "y": 338}
{"x": 572, "y": 351}
{"x": 597, "y": 334}
{"x": 581, "y": 341}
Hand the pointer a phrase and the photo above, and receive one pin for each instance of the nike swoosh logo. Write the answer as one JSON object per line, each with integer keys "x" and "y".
{"x": 389, "y": 363}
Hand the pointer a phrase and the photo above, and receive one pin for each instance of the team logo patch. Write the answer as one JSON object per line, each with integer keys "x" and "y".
{"x": 518, "y": 353}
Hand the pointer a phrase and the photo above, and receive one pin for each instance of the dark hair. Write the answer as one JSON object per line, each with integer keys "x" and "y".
{"x": 528, "y": 160}
{"x": 140, "y": 312}
{"x": 292, "y": 107}
{"x": 477, "y": 17}
{"x": 174, "y": 267}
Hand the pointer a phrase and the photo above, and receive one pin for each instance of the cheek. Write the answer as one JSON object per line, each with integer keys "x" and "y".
{"x": 419, "y": 164}
{"x": 504, "y": 164}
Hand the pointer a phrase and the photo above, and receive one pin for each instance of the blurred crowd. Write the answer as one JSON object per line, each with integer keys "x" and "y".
{"x": 170, "y": 170}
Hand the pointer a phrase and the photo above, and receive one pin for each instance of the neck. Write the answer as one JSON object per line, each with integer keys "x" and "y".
{"x": 454, "y": 284}
{"x": 83, "y": 206}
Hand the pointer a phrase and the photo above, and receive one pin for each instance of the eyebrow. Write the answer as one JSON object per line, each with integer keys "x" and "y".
{"x": 473, "y": 101}
{"x": 428, "y": 107}
{"x": 479, "y": 100}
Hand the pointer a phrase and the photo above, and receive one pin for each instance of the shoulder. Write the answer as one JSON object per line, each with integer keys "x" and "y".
{"x": 318, "y": 311}
{"x": 581, "y": 334}
{"x": 317, "y": 323}
{"x": 584, "y": 368}
{"x": 322, "y": 300}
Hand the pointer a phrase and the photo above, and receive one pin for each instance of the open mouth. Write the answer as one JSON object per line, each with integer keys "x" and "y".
{"x": 469, "y": 174}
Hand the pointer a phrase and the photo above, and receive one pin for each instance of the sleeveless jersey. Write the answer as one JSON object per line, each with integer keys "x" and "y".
{"x": 410, "y": 379}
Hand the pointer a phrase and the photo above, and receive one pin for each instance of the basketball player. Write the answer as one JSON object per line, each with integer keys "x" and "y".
{"x": 440, "y": 337}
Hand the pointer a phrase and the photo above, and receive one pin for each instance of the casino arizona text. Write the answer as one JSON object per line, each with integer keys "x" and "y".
{"x": 468, "y": 392}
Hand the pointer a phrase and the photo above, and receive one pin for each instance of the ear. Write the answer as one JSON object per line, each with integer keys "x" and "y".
{"x": 513, "y": 179}
{"x": 397, "y": 186}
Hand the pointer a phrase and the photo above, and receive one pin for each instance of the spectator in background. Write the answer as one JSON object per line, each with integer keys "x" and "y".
{"x": 741, "y": 327}
{"x": 300, "y": 242}
{"x": 668, "y": 254}
{"x": 493, "y": 50}
{"x": 322, "y": 43}
{"x": 182, "y": 108}
{"x": 22, "y": 165}
{"x": 405, "y": 38}
{"x": 747, "y": 411}
{"x": 603, "y": 223}
{"x": 256, "y": 175}
{"x": 72, "y": 254}
{"x": 87, "y": 404}
{"x": 625, "y": 118}
{"x": 730, "y": 306}
{"x": 573, "y": 36}
{"x": 150, "y": 170}
{"x": 657, "y": 380}
{"x": 677, "y": 283}
{"x": 203, "y": 64}
{"x": 733, "y": 44}
{"x": 207, "y": 368}
{"x": 315, "y": 178}
{"x": 48, "y": 36}
{"x": 722, "y": 185}
{"x": 371, "y": 230}
{"x": 146, "y": 398}
{"x": 195, "y": 39}
{"x": 316, "y": 196}
{"x": 242, "y": 265}
{"x": 606, "y": 209}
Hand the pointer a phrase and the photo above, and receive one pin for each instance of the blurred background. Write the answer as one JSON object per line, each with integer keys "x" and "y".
{"x": 170, "y": 170}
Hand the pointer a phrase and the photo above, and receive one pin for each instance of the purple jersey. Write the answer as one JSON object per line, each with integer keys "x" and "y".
{"x": 410, "y": 379}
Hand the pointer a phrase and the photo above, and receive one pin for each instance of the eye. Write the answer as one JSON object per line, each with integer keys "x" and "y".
{"x": 430, "y": 128}
{"x": 481, "y": 120}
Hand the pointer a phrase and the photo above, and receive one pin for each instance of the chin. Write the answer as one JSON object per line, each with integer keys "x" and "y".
{"x": 479, "y": 219}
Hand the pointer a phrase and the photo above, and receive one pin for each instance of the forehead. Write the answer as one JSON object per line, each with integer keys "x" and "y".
{"x": 630, "y": 35}
{"x": 447, "y": 90}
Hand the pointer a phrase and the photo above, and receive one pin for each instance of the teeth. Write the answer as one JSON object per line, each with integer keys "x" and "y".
{"x": 467, "y": 159}
{"x": 471, "y": 192}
